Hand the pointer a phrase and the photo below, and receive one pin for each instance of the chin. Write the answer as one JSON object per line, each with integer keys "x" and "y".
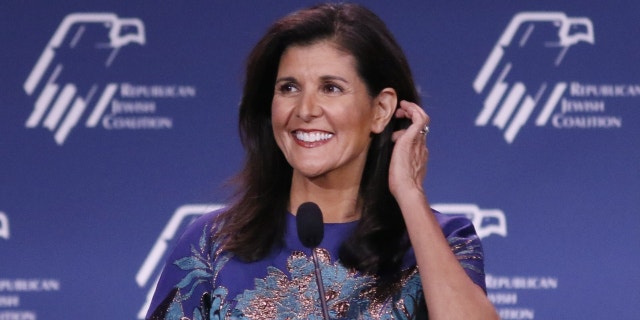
{"x": 310, "y": 173}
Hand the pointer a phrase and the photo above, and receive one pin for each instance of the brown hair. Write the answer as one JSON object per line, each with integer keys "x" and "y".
{"x": 255, "y": 222}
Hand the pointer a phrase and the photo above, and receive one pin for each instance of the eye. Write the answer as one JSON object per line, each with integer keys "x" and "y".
{"x": 287, "y": 87}
{"x": 332, "y": 88}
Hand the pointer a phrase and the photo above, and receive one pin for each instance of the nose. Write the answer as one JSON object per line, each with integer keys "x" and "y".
{"x": 309, "y": 107}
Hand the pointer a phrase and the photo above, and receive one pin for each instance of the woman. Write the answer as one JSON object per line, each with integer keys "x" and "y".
{"x": 328, "y": 115}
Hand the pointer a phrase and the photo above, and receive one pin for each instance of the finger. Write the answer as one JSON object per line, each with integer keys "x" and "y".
{"x": 413, "y": 112}
{"x": 419, "y": 119}
{"x": 397, "y": 134}
{"x": 411, "y": 106}
{"x": 400, "y": 113}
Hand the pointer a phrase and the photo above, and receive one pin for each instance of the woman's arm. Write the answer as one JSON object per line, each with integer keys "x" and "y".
{"x": 448, "y": 290}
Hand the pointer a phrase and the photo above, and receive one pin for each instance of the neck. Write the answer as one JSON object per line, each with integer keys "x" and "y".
{"x": 338, "y": 200}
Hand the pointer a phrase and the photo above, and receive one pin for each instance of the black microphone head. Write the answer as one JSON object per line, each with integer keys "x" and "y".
{"x": 310, "y": 225}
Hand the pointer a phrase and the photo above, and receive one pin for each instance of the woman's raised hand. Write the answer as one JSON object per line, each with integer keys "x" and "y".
{"x": 409, "y": 158}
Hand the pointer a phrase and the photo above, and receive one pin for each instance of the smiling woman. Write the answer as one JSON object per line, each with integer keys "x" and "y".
{"x": 323, "y": 118}
{"x": 329, "y": 115}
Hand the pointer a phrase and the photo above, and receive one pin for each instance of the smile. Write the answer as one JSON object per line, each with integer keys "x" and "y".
{"x": 310, "y": 137}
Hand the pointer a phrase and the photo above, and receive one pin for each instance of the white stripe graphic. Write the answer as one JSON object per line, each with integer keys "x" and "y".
{"x": 38, "y": 70}
{"x": 491, "y": 103}
{"x": 77, "y": 36}
{"x": 70, "y": 120}
{"x": 555, "y": 96}
{"x": 487, "y": 69}
{"x": 102, "y": 104}
{"x": 4, "y": 226}
{"x": 41, "y": 105}
{"x": 60, "y": 106}
{"x": 509, "y": 105}
{"x": 527, "y": 106}
{"x": 494, "y": 97}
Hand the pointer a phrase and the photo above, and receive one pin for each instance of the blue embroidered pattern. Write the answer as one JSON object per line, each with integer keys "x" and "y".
{"x": 279, "y": 296}
{"x": 293, "y": 293}
{"x": 202, "y": 266}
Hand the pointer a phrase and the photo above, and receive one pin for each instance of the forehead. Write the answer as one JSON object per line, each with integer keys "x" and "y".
{"x": 319, "y": 56}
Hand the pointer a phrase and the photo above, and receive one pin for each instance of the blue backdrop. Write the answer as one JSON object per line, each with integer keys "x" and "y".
{"x": 118, "y": 126}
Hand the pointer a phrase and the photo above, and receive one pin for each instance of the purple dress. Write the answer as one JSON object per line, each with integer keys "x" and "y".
{"x": 200, "y": 281}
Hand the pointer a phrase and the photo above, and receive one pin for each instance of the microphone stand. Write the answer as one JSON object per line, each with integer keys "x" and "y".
{"x": 323, "y": 296}
{"x": 310, "y": 232}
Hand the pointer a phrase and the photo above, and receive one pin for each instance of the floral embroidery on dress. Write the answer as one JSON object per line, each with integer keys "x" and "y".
{"x": 349, "y": 294}
{"x": 467, "y": 249}
{"x": 292, "y": 293}
{"x": 202, "y": 267}
{"x": 279, "y": 296}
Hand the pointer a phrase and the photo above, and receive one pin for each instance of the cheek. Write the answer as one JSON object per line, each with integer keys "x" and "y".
{"x": 359, "y": 119}
{"x": 276, "y": 111}
{"x": 278, "y": 122}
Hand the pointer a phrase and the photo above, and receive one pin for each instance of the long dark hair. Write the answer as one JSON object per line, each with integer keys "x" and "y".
{"x": 255, "y": 222}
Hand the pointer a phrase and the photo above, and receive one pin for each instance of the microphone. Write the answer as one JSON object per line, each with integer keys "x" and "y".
{"x": 311, "y": 231}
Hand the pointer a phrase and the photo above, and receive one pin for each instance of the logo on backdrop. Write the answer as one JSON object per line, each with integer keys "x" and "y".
{"x": 485, "y": 221}
{"x": 152, "y": 266}
{"x": 73, "y": 80}
{"x": 4, "y": 226}
{"x": 523, "y": 74}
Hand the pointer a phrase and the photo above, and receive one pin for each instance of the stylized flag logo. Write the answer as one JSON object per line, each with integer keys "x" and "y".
{"x": 62, "y": 100}
{"x": 508, "y": 102}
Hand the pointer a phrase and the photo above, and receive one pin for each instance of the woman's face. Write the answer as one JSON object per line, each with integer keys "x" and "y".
{"x": 322, "y": 114}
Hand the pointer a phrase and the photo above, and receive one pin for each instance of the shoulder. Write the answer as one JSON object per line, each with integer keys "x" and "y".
{"x": 198, "y": 237}
{"x": 199, "y": 225}
{"x": 455, "y": 225}
{"x": 197, "y": 232}
{"x": 187, "y": 269}
{"x": 465, "y": 245}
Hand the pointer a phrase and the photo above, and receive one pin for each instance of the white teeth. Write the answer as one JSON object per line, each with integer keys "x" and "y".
{"x": 312, "y": 136}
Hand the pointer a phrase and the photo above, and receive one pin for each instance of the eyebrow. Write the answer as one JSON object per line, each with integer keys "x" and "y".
{"x": 323, "y": 78}
{"x": 328, "y": 77}
{"x": 286, "y": 79}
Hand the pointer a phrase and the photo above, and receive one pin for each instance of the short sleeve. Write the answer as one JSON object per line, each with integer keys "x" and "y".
{"x": 465, "y": 245}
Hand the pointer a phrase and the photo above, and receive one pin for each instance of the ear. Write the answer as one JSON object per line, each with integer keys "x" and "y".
{"x": 384, "y": 105}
